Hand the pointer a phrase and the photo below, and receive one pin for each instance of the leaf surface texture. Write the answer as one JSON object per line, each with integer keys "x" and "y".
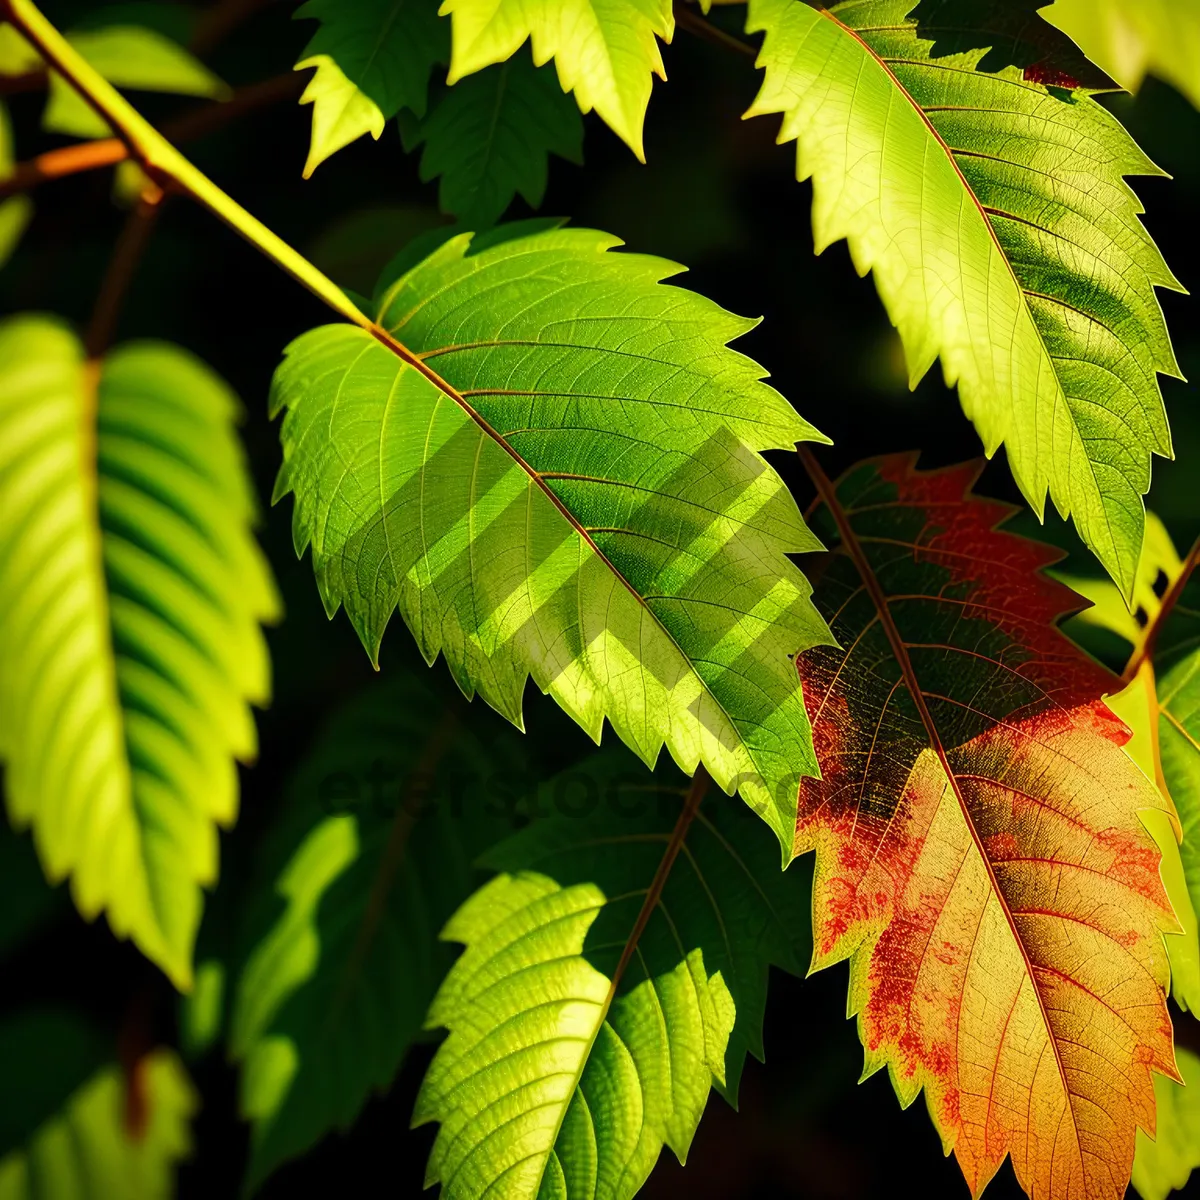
{"x": 559, "y": 477}
{"x": 613, "y": 974}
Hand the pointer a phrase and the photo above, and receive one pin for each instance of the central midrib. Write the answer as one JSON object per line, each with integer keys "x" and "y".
{"x": 691, "y": 806}
{"x": 415, "y": 361}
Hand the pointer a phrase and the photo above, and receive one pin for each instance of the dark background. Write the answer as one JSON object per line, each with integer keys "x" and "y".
{"x": 717, "y": 195}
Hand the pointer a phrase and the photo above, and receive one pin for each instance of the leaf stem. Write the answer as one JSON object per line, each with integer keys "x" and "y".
{"x": 165, "y": 165}
{"x": 1144, "y": 650}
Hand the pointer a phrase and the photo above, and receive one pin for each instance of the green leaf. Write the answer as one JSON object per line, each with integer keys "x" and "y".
{"x": 605, "y": 50}
{"x": 89, "y": 1149}
{"x": 994, "y": 212}
{"x": 372, "y": 58}
{"x": 47, "y": 1056}
{"x": 372, "y": 854}
{"x": 491, "y": 136}
{"x": 17, "y": 56}
{"x": 1165, "y": 1163}
{"x": 613, "y": 974}
{"x": 16, "y": 211}
{"x": 1131, "y": 40}
{"x": 131, "y": 591}
{"x": 557, "y": 476}
{"x": 128, "y": 56}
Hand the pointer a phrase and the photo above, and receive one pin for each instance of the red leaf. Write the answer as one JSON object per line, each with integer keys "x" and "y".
{"x": 980, "y": 856}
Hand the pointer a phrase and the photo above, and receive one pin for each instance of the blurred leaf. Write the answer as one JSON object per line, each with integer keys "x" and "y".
{"x": 202, "y": 1010}
{"x": 17, "y": 56}
{"x": 1166, "y": 1162}
{"x": 127, "y": 56}
{"x": 47, "y": 1056}
{"x": 1133, "y": 38}
{"x": 613, "y": 974}
{"x": 372, "y": 58}
{"x": 131, "y": 592}
{"x": 370, "y": 856}
{"x": 994, "y": 213}
{"x": 604, "y": 52}
{"x": 491, "y": 136}
{"x": 568, "y": 498}
{"x": 88, "y": 1148}
{"x": 17, "y": 211}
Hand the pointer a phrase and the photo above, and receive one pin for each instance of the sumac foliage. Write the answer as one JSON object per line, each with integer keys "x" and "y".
{"x": 525, "y": 460}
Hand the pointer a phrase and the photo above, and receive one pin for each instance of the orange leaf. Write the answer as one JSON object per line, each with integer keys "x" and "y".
{"x": 980, "y": 856}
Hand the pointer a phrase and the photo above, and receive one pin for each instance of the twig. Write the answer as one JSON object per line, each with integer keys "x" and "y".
{"x": 697, "y": 26}
{"x": 220, "y": 20}
{"x": 167, "y": 167}
{"x": 1144, "y": 650}
{"x": 88, "y": 156}
{"x": 127, "y": 253}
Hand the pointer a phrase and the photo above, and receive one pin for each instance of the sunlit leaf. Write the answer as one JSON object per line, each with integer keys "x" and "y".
{"x": 613, "y": 974}
{"x": 131, "y": 591}
{"x": 980, "y": 852}
{"x": 1131, "y": 39}
{"x": 993, "y": 210}
{"x": 604, "y": 50}
{"x": 559, "y": 478}
{"x": 372, "y": 58}
{"x": 1161, "y": 704}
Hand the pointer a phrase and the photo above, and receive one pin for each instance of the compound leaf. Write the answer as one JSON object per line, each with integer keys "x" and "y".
{"x": 371, "y": 855}
{"x": 557, "y": 475}
{"x": 604, "y": 50}
{"x": 613, "y": 974}
{"x": 993, "y": 209}
{"x": 131, "y": 591}
{"x": 980, "y": 854}
{"x": 372, "y": 58}
{"x": 491, "y": 136}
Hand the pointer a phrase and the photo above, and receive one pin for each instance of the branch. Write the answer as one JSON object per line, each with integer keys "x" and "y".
{"x": 134, "y": 238}
{"x": 165, "y": 165}
{"x": 87, "y": 156}
{"x": 706, "y": 31}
